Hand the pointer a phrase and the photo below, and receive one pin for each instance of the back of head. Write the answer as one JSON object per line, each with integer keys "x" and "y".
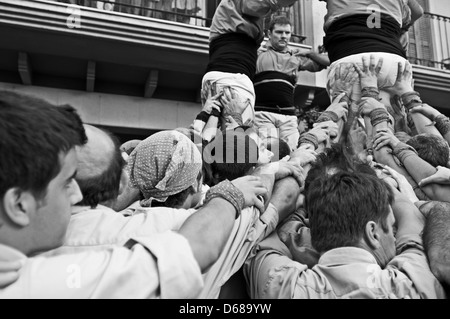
{"x": 431, "y": 148}
{"x": 100, "y": 166}
{"x": 341, "y": 205}
{"x": 231, "y": 154}
{"x": 34, "y": 134}
{"x": 164, "y": 164}
{"x": 336, "y": 159}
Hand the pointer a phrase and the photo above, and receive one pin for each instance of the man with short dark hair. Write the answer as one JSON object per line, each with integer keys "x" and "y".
{"x": 277, "y": 72}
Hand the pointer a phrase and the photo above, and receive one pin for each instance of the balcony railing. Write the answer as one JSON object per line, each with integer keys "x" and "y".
{"x": 429, "y": 37}
{"x": 430, "y": 41}
{"x": 194, "y": 12}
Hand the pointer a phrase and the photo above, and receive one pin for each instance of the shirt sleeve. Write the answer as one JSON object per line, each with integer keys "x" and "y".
{"x": 272, "y": 273}
{"x": 161, "y": 266}
{"x": 412, "y": 261}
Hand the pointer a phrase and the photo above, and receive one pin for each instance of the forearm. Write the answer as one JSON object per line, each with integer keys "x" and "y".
{"x": 420, "y": 169}
{"x": 408, "y": 217}
{"x": 200, "y": 121}
{"x": 208, "y": 229}
{"x": 416, "y": 10}
{"x": 211, "y": 128}
{"x": 443, "y": 126}
{"x": 424, "y": 125}
{"x": 322, "y": 59}
{"x": 436, "y": 239}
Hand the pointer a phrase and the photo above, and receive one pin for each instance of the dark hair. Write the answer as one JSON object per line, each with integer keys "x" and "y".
{"x": 341, "y": 205}
{"x": 34, "y": 134}
{"x": 431, "y": 148}
{"x": 233, "y": 153}
{"x": 280, "y": 20}
{"x": 105, "y": 186}
{"x": 336, "y": 159}
{"x": 282, "y": 151}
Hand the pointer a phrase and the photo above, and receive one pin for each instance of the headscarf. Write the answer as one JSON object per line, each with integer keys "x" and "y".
{"x": 164, "y": 164}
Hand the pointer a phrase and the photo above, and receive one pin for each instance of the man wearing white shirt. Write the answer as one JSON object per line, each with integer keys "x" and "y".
{"x": 38, "y": 164}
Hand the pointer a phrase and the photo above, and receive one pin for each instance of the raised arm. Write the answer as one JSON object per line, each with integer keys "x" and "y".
{"x": 208, "y": 229}
{"x": 442, "y": 122}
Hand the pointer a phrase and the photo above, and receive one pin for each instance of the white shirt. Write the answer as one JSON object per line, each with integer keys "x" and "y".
{"x": 159, "y": 266}
{"x": 103, "y": 227}
{"x": 248, "y": 230}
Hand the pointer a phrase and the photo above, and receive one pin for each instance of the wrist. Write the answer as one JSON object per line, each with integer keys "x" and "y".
{"x": 328, "y": 116}
{"x": 309, "y": 138}
{"x": 379, "y": 115}
{"x": 345, "y": 98}
{"x": 228, "y": 192}
{"x": 442, "y": 124}
{"x": 371, "y": 91}
{"x": 411, "y": 99}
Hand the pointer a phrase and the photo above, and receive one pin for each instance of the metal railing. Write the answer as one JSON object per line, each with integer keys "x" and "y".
{"x": 194, "y": 12}
{"x": 429, "y": 41}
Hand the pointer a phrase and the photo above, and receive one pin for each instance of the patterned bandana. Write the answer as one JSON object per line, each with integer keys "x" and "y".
{"x": 164, "y": 164}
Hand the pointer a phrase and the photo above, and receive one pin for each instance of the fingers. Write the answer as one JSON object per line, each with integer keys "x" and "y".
{"x": 8, "y": 278}
{"x": 372, "y": 63}
{"x": 365, "y": 64}
{"x": 399, "y": 71}
{"x": 408, "y": 70}
{"x": 379, "y": 66}
{"x": 337, "y": 72}
{"x": 358, "y": 70}
{"x": 426, "y": 181}
{"x": 10, "y": 266}
{"x": 339, "y": 98}
{"x": 259, "y": 204}
{"x": 417, "y": 109}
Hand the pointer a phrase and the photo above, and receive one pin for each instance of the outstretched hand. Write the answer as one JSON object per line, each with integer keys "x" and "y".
{"x": 368, "y": 104}
{"x": 368, "y": 75}
{"x": 426, "y": 110}
{"x": 344, "y": 77}
{"x": 338, "y": 107}
{"x": 404, "y": 81}
{"x": 232, "y": 102}
{"x": 212, "y": 102}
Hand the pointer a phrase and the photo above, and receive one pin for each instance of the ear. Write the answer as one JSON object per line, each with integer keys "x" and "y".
{"x": 371, "y": 235}
{"x": 124, "y": 180}
{"x": 19, "y": 205}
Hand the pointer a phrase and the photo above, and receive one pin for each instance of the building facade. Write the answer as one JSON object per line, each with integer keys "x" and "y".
{"x": 135, "y": 66}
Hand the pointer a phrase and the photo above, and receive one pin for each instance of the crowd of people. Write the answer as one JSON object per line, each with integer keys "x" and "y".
{"x": 241, "y": 204}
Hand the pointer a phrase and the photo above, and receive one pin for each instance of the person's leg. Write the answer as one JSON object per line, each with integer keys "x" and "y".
{"x": 288, "y": 130}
